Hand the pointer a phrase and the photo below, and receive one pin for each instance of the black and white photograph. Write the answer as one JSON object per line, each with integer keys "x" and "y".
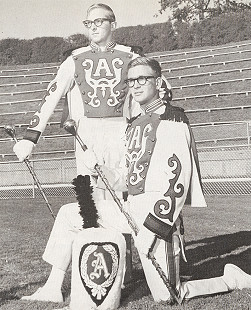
{"x": 125, "y": 155}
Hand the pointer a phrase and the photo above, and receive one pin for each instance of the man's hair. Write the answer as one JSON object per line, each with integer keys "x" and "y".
{"x": 145, "y": 61}
{"x": 110, "y": 12}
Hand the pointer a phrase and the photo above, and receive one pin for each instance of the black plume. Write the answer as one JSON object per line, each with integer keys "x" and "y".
{"x": 88, "y": 210}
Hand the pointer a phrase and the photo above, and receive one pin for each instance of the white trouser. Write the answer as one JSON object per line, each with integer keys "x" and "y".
{"x": 167, "y": 255}
{"x": 188, "y": 289}
{"x": 98, "y": 261}
{"x": 106, "y": 137}
{"x": 68, "y": 223}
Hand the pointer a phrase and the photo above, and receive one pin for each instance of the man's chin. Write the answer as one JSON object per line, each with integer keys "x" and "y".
{"x": 95, "y": 39}
{"x": 139, "y": 100}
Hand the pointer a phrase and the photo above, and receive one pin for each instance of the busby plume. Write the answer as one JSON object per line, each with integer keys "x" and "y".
{"x": 88, "y": 211}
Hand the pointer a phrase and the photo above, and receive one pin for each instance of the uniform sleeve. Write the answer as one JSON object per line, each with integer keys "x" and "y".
{"x": 167, "y": 205}
{"x": 195, "y": 195}
{"x": 55, "y": 90}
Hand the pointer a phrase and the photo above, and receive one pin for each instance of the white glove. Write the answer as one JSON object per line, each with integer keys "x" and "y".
{"x": 90, "y": 160}
{"x": 144, "y": 240}
{"x": 23, "y": 149}
{"x": 115, "y": 177}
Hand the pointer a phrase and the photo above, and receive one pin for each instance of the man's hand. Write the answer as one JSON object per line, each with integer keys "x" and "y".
{"x": 144, "y": 240}
{"x": 23, "y": 149}
{"x": 90, "y": 160}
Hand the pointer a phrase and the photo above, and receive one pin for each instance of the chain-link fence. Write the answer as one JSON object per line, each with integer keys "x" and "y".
{"x": 225, "y": 166}
{"x": 55, "y": 176}
{"x": 225, "y": 157}
{"x": 226, "y": 170}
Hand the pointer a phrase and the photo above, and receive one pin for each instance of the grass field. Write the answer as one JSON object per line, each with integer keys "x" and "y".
{"x": 215, "y": 236}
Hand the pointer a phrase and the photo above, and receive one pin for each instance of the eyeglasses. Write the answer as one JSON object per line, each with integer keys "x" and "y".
{"x": 141, "y": 80}
{"x": 97, "y": 22}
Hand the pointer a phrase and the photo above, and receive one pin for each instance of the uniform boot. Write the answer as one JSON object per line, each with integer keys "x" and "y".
{"x": 51, "y": 291}
{"x": 236, "y": 278}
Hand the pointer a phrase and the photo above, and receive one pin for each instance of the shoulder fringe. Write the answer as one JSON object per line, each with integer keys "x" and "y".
{"x": 88, "y": 211}
{"x": 173, "y": 113}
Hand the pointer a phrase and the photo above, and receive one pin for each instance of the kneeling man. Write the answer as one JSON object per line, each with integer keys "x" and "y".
{"x": 162, "y": 172}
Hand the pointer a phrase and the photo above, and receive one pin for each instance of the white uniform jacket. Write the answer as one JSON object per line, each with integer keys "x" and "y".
{"x": 93, "y": 82}
{"x": 162, "y": 169}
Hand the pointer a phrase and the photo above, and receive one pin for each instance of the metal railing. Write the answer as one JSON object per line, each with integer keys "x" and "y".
{"x": 226, "y": 170}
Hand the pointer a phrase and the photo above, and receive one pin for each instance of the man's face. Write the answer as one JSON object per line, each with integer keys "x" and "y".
{"x": 148, "y": 92}
{"x": 102, "y": 34}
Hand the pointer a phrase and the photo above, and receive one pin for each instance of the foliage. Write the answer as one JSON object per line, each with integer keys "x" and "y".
{"x": 77, "y": 40}
{"x": 47, "y": 49}
{"x": 15, "y": 51}
{"x": 188, "y": 10}
{"x": 232, "y": 27}
{"x": 184, "y": 35}
{"x": 229, "y": 26}
{"x": 157, "y": 37}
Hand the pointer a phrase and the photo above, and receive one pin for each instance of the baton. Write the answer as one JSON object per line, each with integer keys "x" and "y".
{"x": 70, "y": 126}
{"x": 10, "y": 130}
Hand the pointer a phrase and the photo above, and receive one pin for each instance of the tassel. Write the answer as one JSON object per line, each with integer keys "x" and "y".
{"x": 88, "y": 210}
{"x": 173, "y": 113}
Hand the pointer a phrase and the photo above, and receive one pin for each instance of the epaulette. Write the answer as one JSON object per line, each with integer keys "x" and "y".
{"x": 173, "y": 113}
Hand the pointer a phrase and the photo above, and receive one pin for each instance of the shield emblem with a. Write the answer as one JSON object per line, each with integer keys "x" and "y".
{"x": 98, "y": 267}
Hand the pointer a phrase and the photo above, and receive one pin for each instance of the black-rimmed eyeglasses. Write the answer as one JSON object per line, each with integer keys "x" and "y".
{"x": 141, "y": 80}
{"x": 97, "y": 22}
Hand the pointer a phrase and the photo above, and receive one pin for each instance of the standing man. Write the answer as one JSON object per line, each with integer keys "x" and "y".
{"x": 92, "y": 78}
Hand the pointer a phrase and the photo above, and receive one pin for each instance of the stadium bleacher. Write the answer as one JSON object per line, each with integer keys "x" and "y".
{"x": 213, "y": 85}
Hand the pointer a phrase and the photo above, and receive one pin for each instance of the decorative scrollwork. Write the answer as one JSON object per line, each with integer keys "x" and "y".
{"x": 163, "y": 208}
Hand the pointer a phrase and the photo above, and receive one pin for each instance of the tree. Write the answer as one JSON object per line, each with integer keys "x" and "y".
{"x": 188, "y": 10}
{"x": 47, "y": 49}
{"x": 77, "y": 40}
{"x": 152, "y": 38}
{"x": 184, "y": 35}
{"x": 15, "y": 51}
{"x": 226, "y": 28}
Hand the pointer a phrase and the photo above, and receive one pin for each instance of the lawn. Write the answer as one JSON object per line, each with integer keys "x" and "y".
{"x": 215, "y": 236}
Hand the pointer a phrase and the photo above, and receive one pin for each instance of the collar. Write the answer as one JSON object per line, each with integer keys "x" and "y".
{"x": 153, "y": 106}
{"x": 109, "y": 46}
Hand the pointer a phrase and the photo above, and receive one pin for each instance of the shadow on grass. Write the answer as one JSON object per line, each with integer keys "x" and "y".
{"x": 14, "y": 292}
{"x": 207, "y": 257}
